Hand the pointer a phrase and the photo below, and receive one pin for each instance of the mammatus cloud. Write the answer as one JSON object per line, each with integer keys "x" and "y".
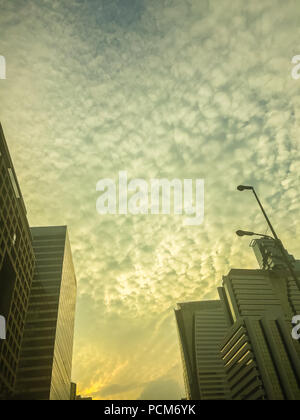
{"x": 174, "y": 89}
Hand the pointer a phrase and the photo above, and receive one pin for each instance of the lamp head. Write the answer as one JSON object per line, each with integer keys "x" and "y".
{"x": 244, "y": 233}
{"x": 244, "y": 187}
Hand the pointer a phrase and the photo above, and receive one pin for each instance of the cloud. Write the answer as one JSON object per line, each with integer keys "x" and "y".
{"x": 114, "y": 389}
{"x": 175, "y": 89}
{"x": 162, "y": 389}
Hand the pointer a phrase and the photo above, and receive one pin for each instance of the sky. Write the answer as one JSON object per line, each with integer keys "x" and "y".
{"x": 161, "y": 89}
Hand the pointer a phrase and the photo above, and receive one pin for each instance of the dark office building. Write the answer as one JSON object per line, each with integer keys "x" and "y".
{"x": 201, "y": 327}
{"x": 16, "y": 269}
{"x": 73, "y": 391}
{"x": 260, "y": 359}
{"x": 46, "y": 357}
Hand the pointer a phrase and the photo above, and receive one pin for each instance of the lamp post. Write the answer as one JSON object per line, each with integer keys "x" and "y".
{"x": 246, "y": 233}
{"x": 275, "y": 237}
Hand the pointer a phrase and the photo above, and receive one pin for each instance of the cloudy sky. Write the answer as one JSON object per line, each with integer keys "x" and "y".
{"x": 159, "y": 88}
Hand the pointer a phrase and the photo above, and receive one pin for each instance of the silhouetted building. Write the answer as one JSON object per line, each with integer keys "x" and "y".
{"x": 73, "y": 391}
{"x": 201, "y": 327}
{"x": 16, "y": 269}
{"x": 75, "y": 397}
{"x": 46, "y": 358}
{"x": 261, "y": 360}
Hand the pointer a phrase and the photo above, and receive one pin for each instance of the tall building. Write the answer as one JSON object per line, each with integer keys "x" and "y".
{"x": 201, "y": 327}
{"x": 16, "y": 269}
{"x": 261, "y": 361}
{"x": 46, "y": 358}
{"x": 264, "y": 302}
{"x": 270, "y": 259}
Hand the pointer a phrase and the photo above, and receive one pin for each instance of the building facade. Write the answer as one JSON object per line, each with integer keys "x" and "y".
{"x": 16, "y": 269}
{"x": 261, "y": 361}
{"x": 46, "y": 358}
{"x": 261, "y": 336}
{"x": 201, "y": 327}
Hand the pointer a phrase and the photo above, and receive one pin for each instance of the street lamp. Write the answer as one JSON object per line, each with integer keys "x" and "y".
{"x": 275, "y": 237}
{"x": 246, "y": 233}
{"x": 243, "y": 188}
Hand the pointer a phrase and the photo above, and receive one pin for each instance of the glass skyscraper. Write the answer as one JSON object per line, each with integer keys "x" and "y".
{"x": 46, "y": 357}
{"x": 16, "y": 269}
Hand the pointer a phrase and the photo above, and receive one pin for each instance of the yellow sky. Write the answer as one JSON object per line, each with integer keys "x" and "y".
{"x": 178, "y": 89}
